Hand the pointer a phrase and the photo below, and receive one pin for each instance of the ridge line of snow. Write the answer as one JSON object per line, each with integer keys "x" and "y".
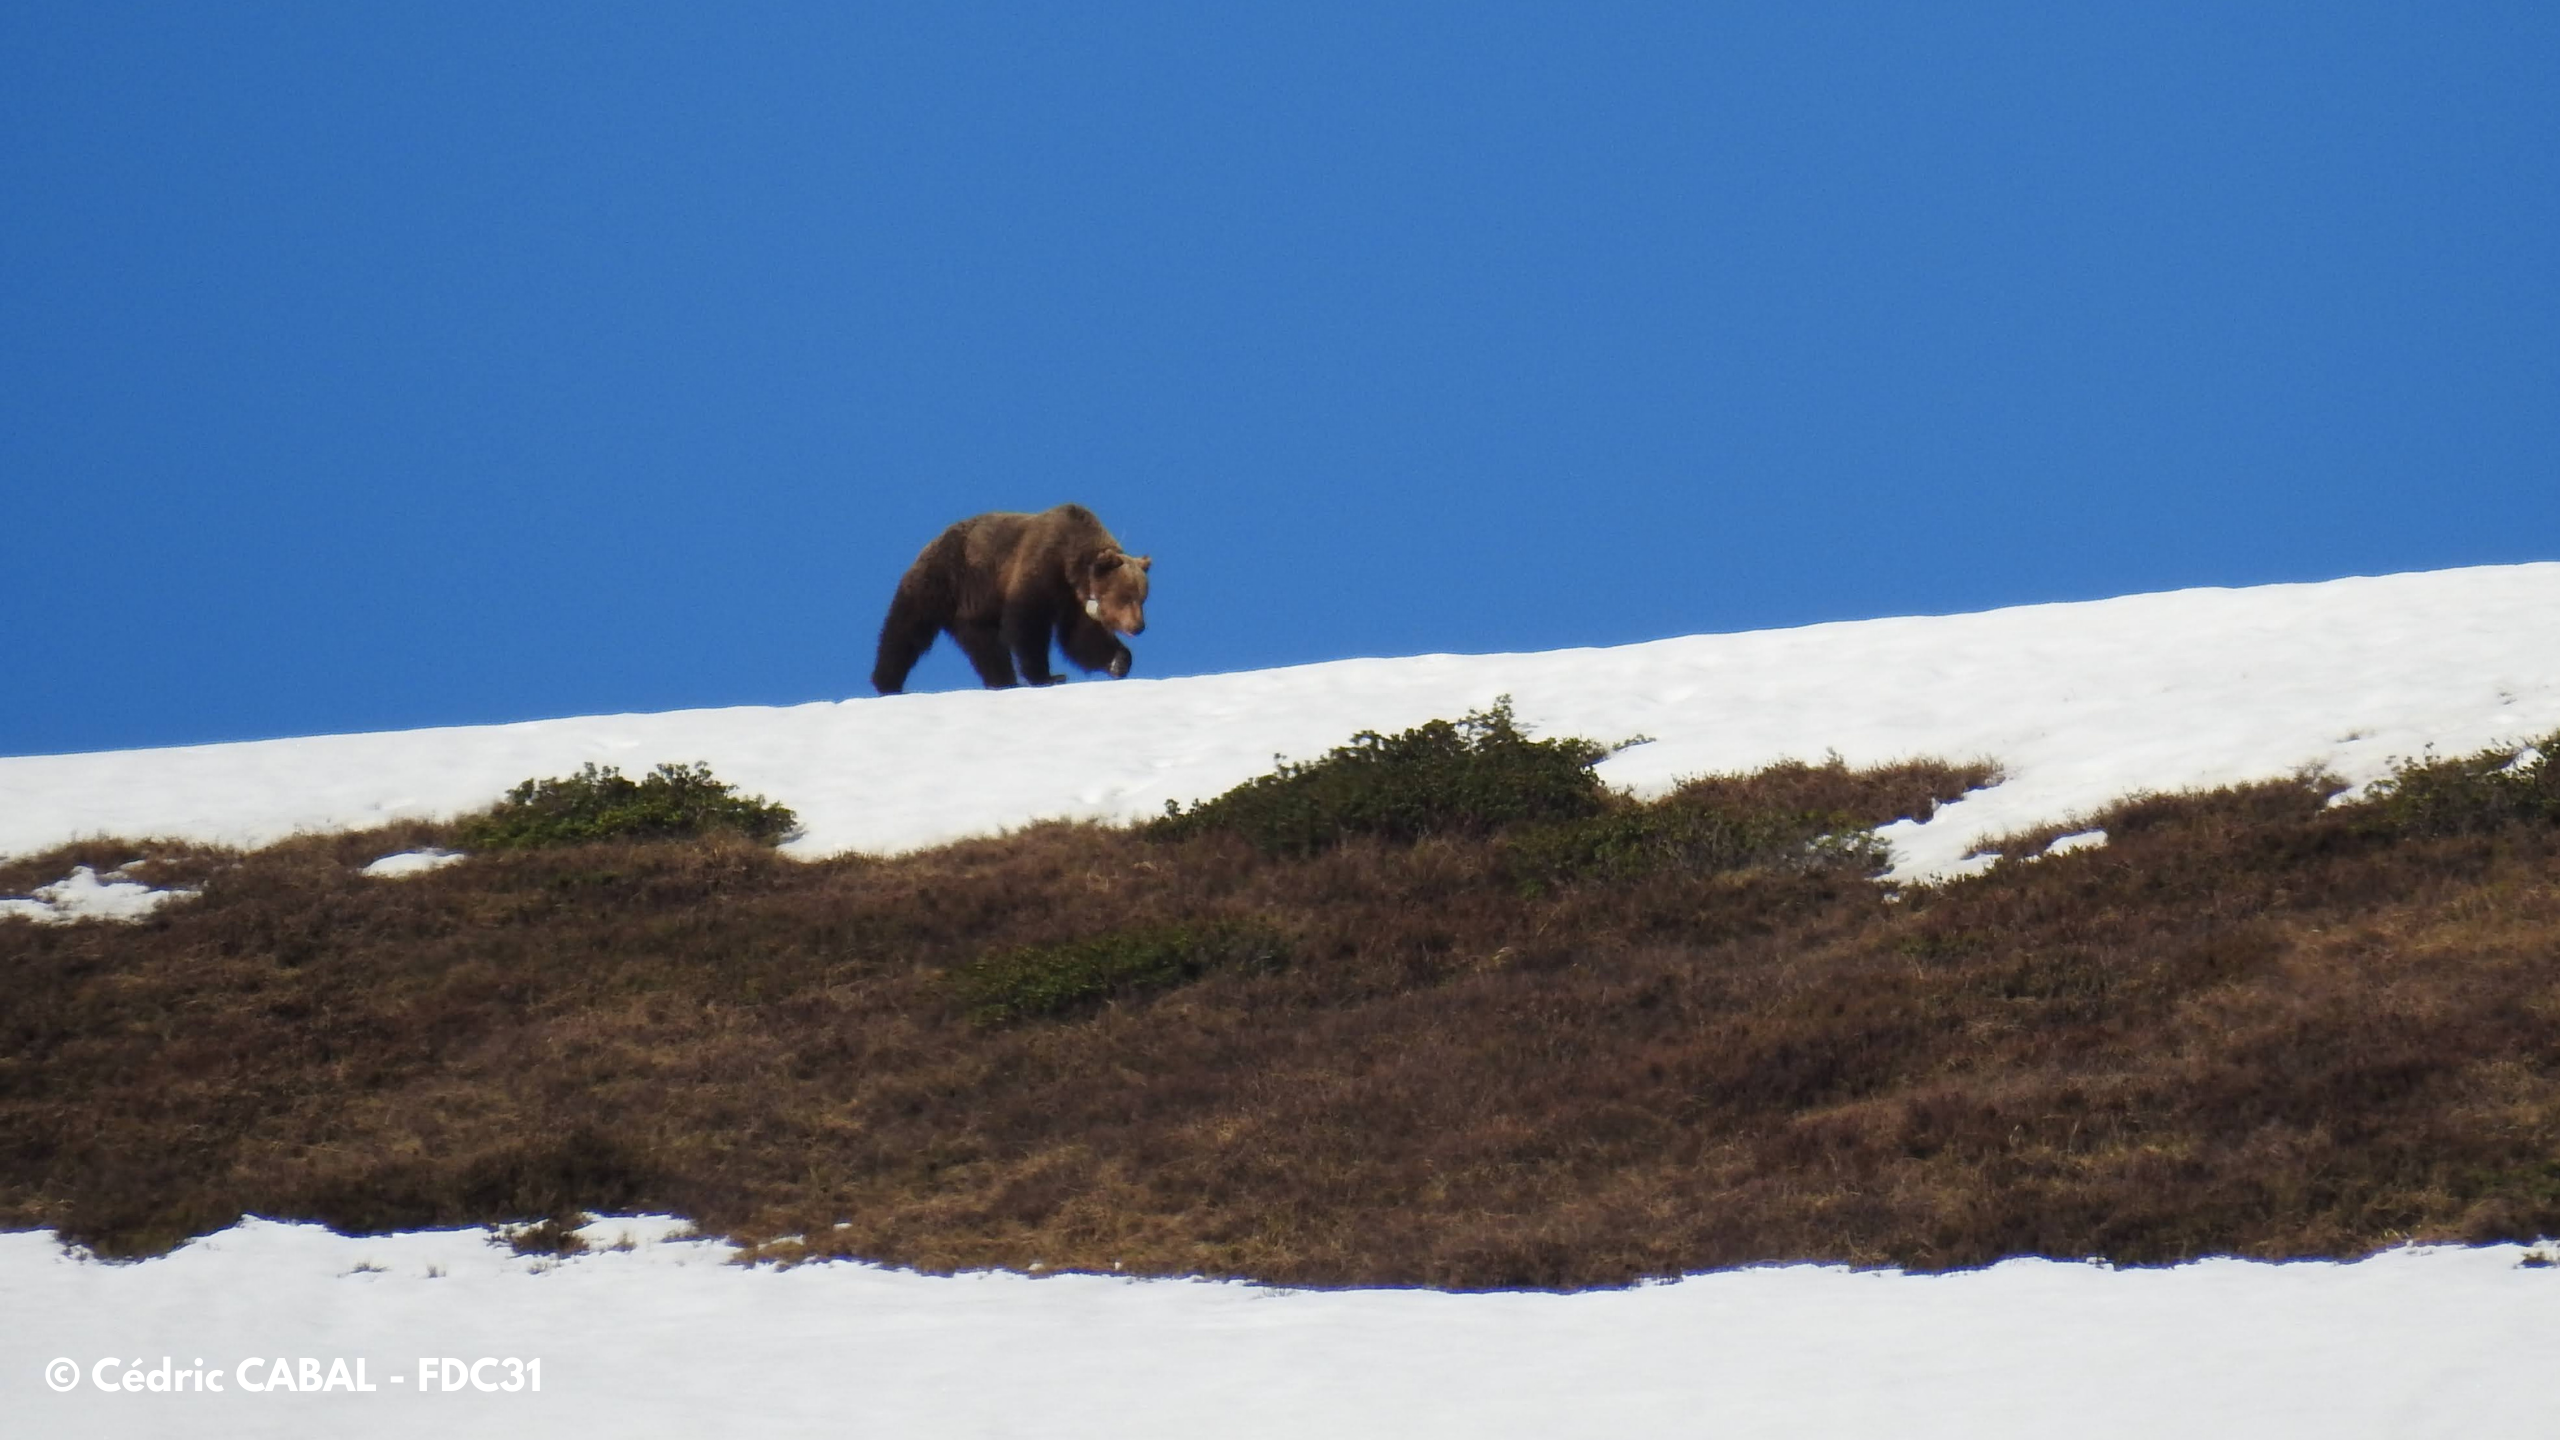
{"x": 2080, "y": 702}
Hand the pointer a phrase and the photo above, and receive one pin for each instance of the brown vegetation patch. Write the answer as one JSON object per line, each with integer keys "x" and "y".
{"x": 2249, "y": 1024}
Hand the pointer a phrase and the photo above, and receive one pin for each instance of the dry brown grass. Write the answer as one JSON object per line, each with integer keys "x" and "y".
{"x": 2244, "y": 1026}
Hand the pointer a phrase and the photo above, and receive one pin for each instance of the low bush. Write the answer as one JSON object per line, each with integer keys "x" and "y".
{"x": 1878, "y": 795}
{"x": 2469, "y": 794}
{"x": 1792, "y": 816}
{"x": 1469, "y": 776}
{"x": 1635, "y": 841}
{"x": 557, "y": 1235}
{"x": 675, "y": 802}
{"x": 1035, "y": 980}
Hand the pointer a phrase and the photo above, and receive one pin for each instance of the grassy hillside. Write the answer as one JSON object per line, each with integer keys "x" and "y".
{"x": 1578, "y": 1042}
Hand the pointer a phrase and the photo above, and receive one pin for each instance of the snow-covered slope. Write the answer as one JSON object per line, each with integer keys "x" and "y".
{"x": 663, "y": 1340}
{"x": 2082, "y": 703}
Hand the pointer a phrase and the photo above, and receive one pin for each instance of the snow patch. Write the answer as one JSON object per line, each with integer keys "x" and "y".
{"x": 83, "y": 896}
{"x": 413, "y": 862}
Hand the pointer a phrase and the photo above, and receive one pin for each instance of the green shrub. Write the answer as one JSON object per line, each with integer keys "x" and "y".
{"x": 1469, "y": 776}
{"x": 1034, "y": 980}
{"x": 675, "y": 802}
{"x": 2469, "y": 794}
{"x": 1638, "y": 840}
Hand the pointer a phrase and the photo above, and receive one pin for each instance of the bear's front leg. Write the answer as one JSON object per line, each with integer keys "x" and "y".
{"x": 1092, "y": 646}
{"x": 984, "y": 645}
{"x": 1026, "y": 634}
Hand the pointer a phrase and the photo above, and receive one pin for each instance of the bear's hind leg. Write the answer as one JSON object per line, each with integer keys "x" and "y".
{"x": 904, "y": 637}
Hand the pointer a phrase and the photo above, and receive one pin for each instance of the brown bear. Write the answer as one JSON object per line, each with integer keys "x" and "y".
{"x": 1004, "y": 584}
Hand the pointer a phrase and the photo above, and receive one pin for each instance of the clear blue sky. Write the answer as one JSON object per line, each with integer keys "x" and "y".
{"x": 369, "y": 366}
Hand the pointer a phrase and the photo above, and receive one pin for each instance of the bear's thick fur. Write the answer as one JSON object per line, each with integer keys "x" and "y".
{"x": 1004, "y": 584}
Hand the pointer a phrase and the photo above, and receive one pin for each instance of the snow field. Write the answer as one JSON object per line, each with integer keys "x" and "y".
{"x": 666, "y": 1339}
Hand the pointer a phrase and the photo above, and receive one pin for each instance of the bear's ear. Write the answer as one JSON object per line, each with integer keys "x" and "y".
{"x": 1144, "y": 563}
{"x": 1107, "y": 561}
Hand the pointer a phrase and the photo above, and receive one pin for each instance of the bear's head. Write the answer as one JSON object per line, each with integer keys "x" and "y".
{"x": 1113, "y": 590}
